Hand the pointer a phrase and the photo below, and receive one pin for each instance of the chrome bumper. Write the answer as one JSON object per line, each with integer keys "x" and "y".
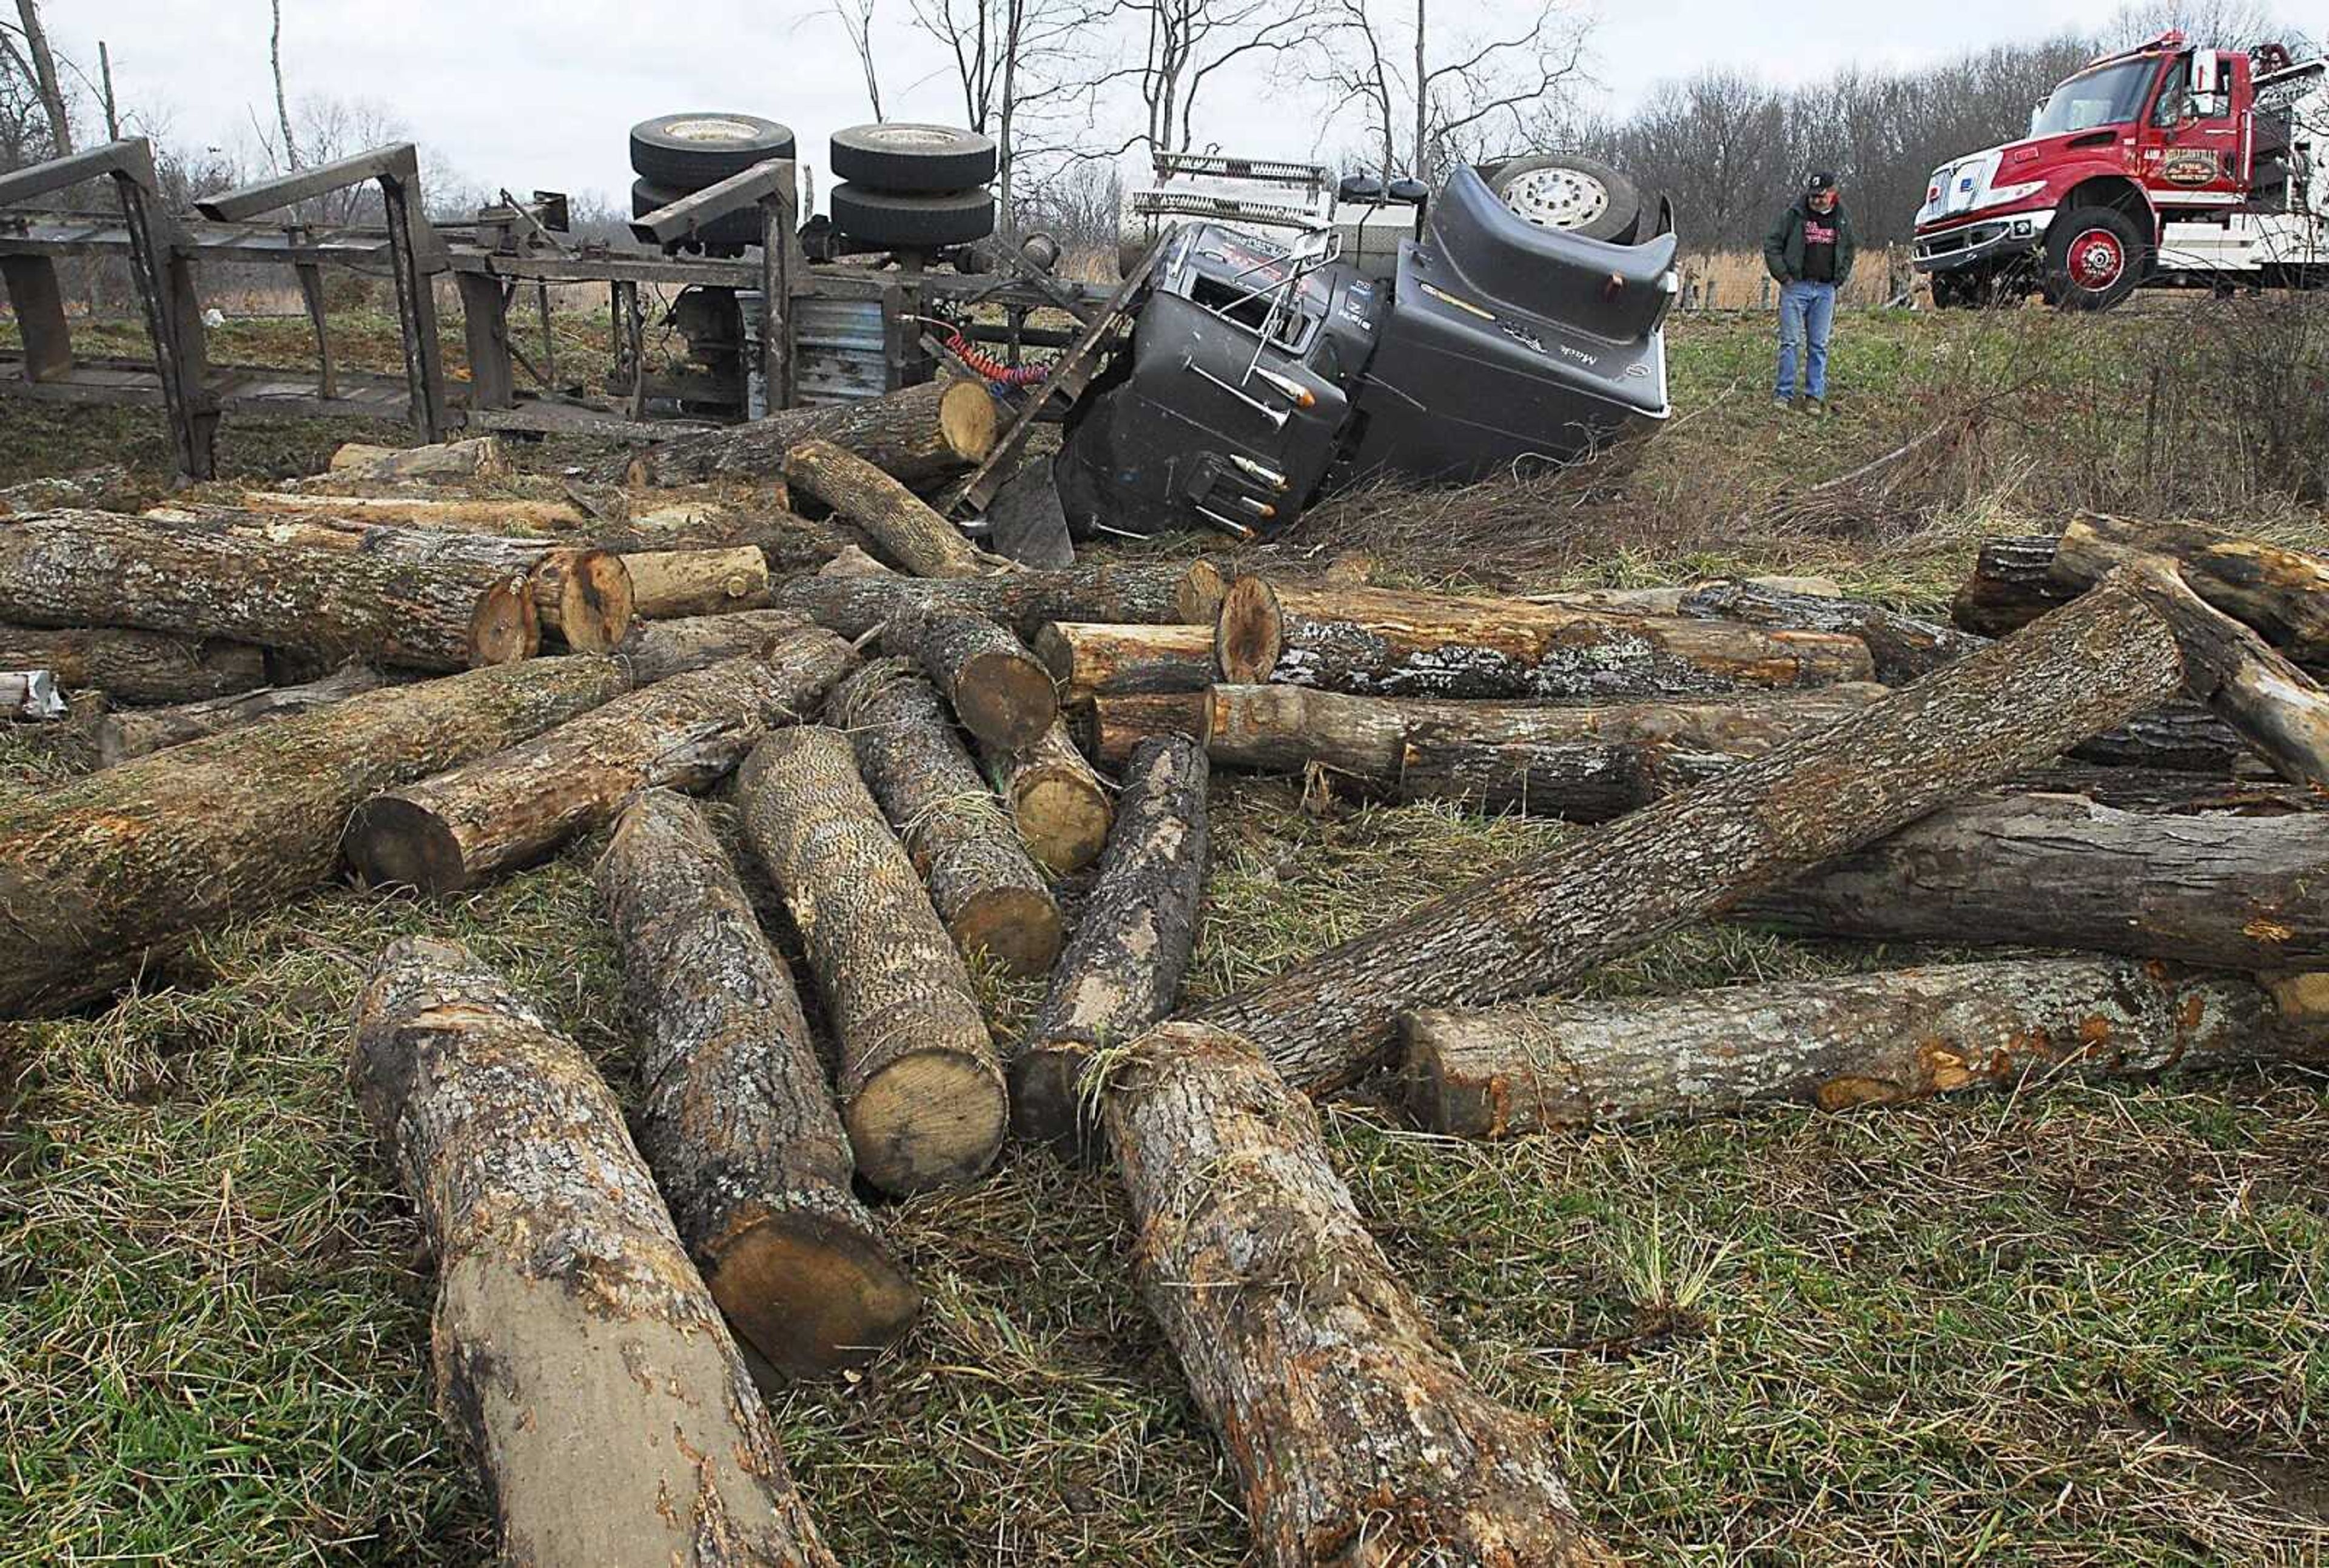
{"x": 1983, "y": 240}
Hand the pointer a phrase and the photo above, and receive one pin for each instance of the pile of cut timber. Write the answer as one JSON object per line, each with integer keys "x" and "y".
{"x": 945, "y": 771}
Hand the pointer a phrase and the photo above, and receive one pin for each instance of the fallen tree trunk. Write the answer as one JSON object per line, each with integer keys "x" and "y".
{"x": 121, "y": 736}
{"x": 666, "y": 584}
{"x": 1353, "y": 1433}
{"x": 1123, "y": 971}
{"x": 1113, "y": 727}
{"x": 984, "y": 886}
{"x": 919, "y": 435}
{"x": 1585, "y": 763}
{"x": 1880, "y": 1039}
{"x": 2055, "y": 870}
{"x": 1904, "y": 648}
{"x": 100, "y": 875}
{"x": 1387, "y": 642}
{"x": 921, "y": 1092}
{"x": 77, "y": 568}
{"x": 574, "y": 1346}
{"x": 2164, "y": 791}
{"x": 443, "y": 835}
{"x": 903, "y": 528}
{"x": 1021, "y": 600}
{"x": 134, "y": 666}
{"x": 735, "y": 1118}
{"x": 1089, "y": 660}
{"x": 2276, "y": 707}
{"x": 2010, "y": 585}
{"x": 1668, "y": 599}
{"x": 478, "y": 458}
{"x": 995, "y": 688}
{"x": 550, "y": 519}
{"x": 1552, "y": 916}
{"x": 2282, "y": 594}
{"x": 2183, "y": 736}
{"x": 657, "y": 650}
{"x": 1058, "y": 803}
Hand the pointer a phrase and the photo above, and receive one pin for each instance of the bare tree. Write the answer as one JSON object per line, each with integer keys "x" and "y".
{"x": 1009, "y": 60}
{"x": 1184, "y": 46}
{"x": 282, "y": 104}
{"x": 856, "y": 19}
{"x": 44, "y": 65}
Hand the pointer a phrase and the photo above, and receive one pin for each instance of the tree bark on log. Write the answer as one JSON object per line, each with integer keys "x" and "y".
{"x": 736, "y": 1119}
{"x": 574, "y": 1345}
{"x": 1669, "y": 599}
{"x": 657, "y": 650}
{"x": 1588, "y": 764}
{"x": 2183, "y": 736}
{"x": 984, "y": 888}
{"x": 2282, "y": 594}
{"x": 478, "y": 458}
{"x": 1058, "y": 804}
{"x": 100, "y": 875}
{"x": 1089, "y": 659}
{"x": 667, "y": 584}
{"x": 1353, "y": 1433}
{"x": 903, "y": 528}
{"x": 1123, "y": 970}
{"x": 447, "y": 833}
{"x": 134, "y": 666}
{"x": 995, "y": 685}
{"x": 122, "y": 736}
{"x": 1113, "y": 727}
{"x": 1904, "y": 648}
{"x": 1882, "y": 1039}
{"x": 1387, "y": 642}
{"x": 2273, "y": 705}
{"x": 921, "y": 436}
{"x": 76, "y": 567}
{"x": 2164, "y": 791}
{"x": 1553, "y": 916}
{"x": 921, "y": 1090}
{"x": 1021, "y": 600}
{"x": 2010, "y": 585}
{"x": 553, "y": 522}
{"x": 2055, "y": 870}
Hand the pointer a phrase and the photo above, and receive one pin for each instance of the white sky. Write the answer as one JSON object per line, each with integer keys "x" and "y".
{"x": 539, "y": 93}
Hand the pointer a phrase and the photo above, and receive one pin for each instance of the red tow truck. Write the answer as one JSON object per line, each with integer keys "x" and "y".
{"x": 2167, "y": 165}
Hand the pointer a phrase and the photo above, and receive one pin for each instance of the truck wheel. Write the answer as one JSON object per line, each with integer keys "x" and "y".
{"x": 2095, "y": 255}
{"x": 1571, "y": 191}
{"x": 733, "y": 229}
{"x": 687, "y": 151}
{"x": 1954, "y": 291}
{"x": 890, "y": 219}
{"x": 912, "y": 158}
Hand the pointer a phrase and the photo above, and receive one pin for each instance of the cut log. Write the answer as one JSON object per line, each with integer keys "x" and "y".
{"x": 1090, "y": 659}
{"x": 478, "y": 458}
{"x": 1905, "y": 648}
{"x": 1058, "y": 804}
{"x": 1198, "y": 599}
{"x": 1882, "y": 1039}
{"x": 657, "y": 650}
{"x": 443, "y": 514}
{"x": 2164, "y": 791}
{"x": 995, "y": 685}
{"x": 449, "y": 832}
{"x": 603, "y": 1400}
{"x": 670, "y": 583}
{"x": 1113, "y": 727}
{"x": 921, "y": 1090}
{"x": 1555, "y": 915}
{"x": 2010, "y": 586}
{"x": 2055, "y": 870}
{"x": 987, "y": 892}
{"x": 89, "y": 487}
{"x": 2282, "y": 594}
{"x": 1389, "y": 642}
{"x": 134, "y": 666}
{"x": 77, "y": 567}
{"x": 1123, "y": 971}
{"x": 98, "y": 874}
{"x": 904, "y": 530}
{"x": 920, "y": 435}
{"x": 1021, "y": 600}
{"x": 2273, "y": 705}
{"x": 2183, "y": 736}
{"x": 1669, "y": 599}
{"x": 121, "y": 736}
{"x": 1588, "y": 764}
{"x": 29, "y": 695}
{"x": 735, "y": 1117}
{"x": 1353, "y": 1433}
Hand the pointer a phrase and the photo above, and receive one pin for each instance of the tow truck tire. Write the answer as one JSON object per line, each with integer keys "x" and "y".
{"x": 893, "y": 219}
{"x": 926, "y": 159}
{"x": 687, "y": 151}
{"x": 2095, "y": 255}
{"x": 732, "y": 229}
{"x": 1954, "y": 291}
{"x": 1571, "y": 191}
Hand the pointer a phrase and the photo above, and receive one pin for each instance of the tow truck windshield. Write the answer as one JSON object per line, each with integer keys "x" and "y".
{"x": 2111, "y": 96}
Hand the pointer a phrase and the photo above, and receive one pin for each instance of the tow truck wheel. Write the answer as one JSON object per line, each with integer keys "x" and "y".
{"x": 2095, "y": 255}
{"x": 1954, "y": 291}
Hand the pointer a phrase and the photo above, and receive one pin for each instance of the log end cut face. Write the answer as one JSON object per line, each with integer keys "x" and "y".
{"x": 1018, "y": 927}
{"x": 394, "y": 843}
{"x": 929, "y": 1118}
{"x": 813, "y": 1296}
{"x": 504, "y": 626}
{"x": 1006, "y": 699}
{"x": 1062, "y": 821}
{"x": 1250, "y": 633}
{"x": 595, "y": 601}
{"x": 967, "y": 420}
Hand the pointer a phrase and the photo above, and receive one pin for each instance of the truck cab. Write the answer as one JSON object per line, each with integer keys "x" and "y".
{"x": 2164, "y": 165}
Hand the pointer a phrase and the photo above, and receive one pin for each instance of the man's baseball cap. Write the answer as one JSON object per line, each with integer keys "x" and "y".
{"x": 1821, "y": 180}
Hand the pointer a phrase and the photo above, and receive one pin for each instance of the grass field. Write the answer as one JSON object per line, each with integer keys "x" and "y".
{"x": 2077, "y": 1326}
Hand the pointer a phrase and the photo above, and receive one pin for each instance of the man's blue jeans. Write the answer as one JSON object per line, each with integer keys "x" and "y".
{"x": 1806, "y": 311}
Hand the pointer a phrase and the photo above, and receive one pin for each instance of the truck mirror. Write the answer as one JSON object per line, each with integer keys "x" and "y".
{"x": 2204, "y": 65}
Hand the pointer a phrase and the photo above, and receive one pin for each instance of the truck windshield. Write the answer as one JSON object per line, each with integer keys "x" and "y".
{"x": 2111, "y": 96}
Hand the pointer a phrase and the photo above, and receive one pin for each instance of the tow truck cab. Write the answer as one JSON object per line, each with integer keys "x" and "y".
{"x": 2165, "y": 164}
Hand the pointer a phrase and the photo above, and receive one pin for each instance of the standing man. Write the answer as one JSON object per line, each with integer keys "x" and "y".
{"x": 1809, "y": 252}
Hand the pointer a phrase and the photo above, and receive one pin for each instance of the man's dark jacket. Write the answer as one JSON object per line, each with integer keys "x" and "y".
{"x": 1783, "y": 247}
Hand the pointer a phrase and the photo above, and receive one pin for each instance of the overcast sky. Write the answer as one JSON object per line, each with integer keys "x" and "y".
{"x": 539, "y": 93}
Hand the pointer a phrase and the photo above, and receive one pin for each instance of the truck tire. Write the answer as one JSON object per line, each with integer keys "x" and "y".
{"x": 926, "y": 159}
{"x": 2095, "y": 255}
{"x": 733, "y": 229}
{"x": 897, "y": 221}
{"x": 686, "y": 152}
{"x": 1957, "y": 291}
{"x": 1569, "y": 191}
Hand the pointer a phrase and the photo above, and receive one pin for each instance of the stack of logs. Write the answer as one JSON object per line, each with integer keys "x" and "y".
{"x": 943, "y": 766}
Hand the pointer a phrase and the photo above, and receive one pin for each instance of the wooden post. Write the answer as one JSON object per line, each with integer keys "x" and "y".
{"x": 39, "y": 302}
{"x": 484, "y": 328}
{"x": 416, "y": 309}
